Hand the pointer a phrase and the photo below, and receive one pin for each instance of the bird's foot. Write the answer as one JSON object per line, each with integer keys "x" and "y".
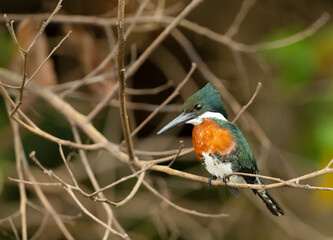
{"x": 225, "y": 179}
{"x": 233, "y": 190}
{"x": 210, "y": 180}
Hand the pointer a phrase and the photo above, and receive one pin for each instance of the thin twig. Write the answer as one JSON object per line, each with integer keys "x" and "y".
{"x": 181, "y": 209}
{"x": 44, "y": 25}
{"x": 69, "y": 189}
{"x": 162, "y": 153}
{"x": 166, "y": 101}
{"x": 48, "y": 57}
{"x": 166, "y": 20}
{"x": 47, "y": 184}
{"x": 14, "y": 229}
{"x": 241, "y": 71}
{"x": 134, "y": 190}
{"x": 41, "y": 228}
{"x": 14, "y": 215}
{"x": 161, "y": 37}
{"x": 233, "y": 29}
{"x": 43, "y": 199}
{"x": 43, "y": 210}
{"x": 10, "y": 27}
{"x": 93, "y": 217}
{"x": 25, "y": 53}
{"x": 104, "y": 63}
{"x": 21, "y": 90}
{"x": 49, "y": 173}
{"x": 204, "y": 69}
{"x": 19, "y": 169}
{"x": 249, "y": 102}
{"x": 148, "y": 107}
{"x": 181, "y": 145}
{"x": 67, "y": 165}
{"x": 123, "y": 179}
{"x": 85, "y": 81}
{"x": 149, "y": 91}
{"x": 105, "y": 101}
{"x": 8, "y": 86}
{"x": 63, "y": 142}
{"x": 329, "y": 164}
{"x": 313, "y": 28}
{"x": 11, "y": 102}
{"x": 96, "y": 186}
{"x": 168, "y": 158}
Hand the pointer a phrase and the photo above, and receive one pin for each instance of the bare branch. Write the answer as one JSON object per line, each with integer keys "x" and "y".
{"x": 313, "y": 28}
{"x": 88, "y": 213}
{"x": 25, "y": 53}
{"x": 14, "y": 215}
{"x": 233, "y": 29}
{"x": 249, "y": 102}
{"x": 166, "y": 101}
{"x": 222, "y": 39}
{"x": 294, "y": 182}
{"x": 47, "y": 184}
{"x": 181, "y": 209}
{"x": 67, "y": 165}
{"x": 123, "y": 179}
{"x": 162, "y": 36}
{"x": 134, "y": 190}
{"x": 181, "y": 145}
{"x": 44, "y": 25}
{"x": 93, "y": 180}
{"x": 122, "y": 80}
{"x": 151, "y": 91}
{"x": 14, "y": 229}
{"x": 48, "y": 57}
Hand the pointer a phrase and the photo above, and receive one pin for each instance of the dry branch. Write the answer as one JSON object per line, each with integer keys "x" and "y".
{"x": 122, "y": 80}
{"x": 25, "y": 52}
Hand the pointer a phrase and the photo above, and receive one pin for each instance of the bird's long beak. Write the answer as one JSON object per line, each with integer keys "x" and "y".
{"x": 178, "y": 121}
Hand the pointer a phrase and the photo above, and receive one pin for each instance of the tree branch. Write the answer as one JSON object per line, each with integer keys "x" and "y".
{"x": 122, "y": 80}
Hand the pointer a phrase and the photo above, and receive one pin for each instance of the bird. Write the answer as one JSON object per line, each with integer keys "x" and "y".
{"x": 219, "y": 144}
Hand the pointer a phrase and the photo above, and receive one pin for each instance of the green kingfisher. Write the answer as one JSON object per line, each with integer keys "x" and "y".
{"x": 219, "y": 144}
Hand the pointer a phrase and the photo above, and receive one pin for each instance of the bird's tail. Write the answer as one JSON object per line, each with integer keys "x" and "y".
{"x": 271, "y": 204}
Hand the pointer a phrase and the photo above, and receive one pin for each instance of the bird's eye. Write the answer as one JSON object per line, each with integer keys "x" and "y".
{"x": 198, "y": 107}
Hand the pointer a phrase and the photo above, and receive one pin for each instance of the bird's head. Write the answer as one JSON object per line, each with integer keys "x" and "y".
{"x": 204, "y": 102}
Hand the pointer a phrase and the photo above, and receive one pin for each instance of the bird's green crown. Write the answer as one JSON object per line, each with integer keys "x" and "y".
{"x": 207, "y": 99}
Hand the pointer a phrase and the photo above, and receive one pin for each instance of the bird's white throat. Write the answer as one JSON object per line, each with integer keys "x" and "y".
{"x": 198, "y": 120}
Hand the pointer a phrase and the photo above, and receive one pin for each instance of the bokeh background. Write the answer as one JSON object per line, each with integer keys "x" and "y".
{"x": 294, "y": 110}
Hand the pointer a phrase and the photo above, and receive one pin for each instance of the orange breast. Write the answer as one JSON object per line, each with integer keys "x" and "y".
{"x": 208, "y": 137}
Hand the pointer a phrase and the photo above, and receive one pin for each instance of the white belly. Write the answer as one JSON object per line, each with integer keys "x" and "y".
{"x": 218, "y": 168}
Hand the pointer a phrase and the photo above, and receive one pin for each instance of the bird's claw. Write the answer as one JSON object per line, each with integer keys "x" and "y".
{"x": 225, "y": 179}
{"x": 233, "y": 190}
{"x": 210, "y": 180}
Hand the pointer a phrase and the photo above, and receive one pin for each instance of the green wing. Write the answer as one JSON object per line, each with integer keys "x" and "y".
{"x": 242, "y": 159}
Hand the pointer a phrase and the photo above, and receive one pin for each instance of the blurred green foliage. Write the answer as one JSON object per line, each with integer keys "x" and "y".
{"x": 6, "y": 48}
{"x": 304, "y": 76}
{"x": 295, "y": 63}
